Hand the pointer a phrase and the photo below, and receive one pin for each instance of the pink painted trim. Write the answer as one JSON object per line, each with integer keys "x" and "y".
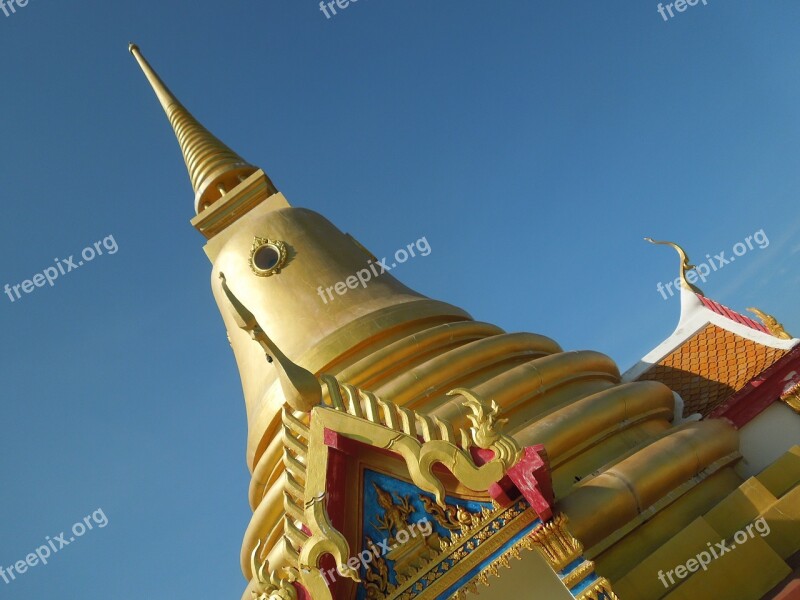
{"x": 302, "y": 593}
{"x": 764, "y": 389}
{"x": 718, "y": 308}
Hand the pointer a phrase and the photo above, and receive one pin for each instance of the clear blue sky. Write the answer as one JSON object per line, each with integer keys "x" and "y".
{"x": 533, "y": 144}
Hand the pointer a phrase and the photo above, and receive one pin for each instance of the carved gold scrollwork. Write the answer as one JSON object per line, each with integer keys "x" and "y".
{"x": 376, "y": 422}
{"x": 556, "y": 543}
{"x": 272, "y": 586}
{"x": 453, "y": 518}
{"x": 406, "y": 555}
{"x": 395, "y": 514}
{"x": 377, "y": 576}
{"x": 487, "y": 426}
{"x": 601, "y": 589}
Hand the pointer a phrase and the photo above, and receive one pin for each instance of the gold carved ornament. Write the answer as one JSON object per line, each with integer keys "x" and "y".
{"x": 267, "y": 257}
{"x": 272, "y": 586}
{"x": 382, "y": 424}
{"x": 771, "y": 323}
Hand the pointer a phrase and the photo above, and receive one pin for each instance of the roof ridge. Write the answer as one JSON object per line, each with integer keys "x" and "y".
{"x": 731, "y": 314}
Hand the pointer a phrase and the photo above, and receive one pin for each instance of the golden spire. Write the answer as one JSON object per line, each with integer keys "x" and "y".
{"x": 214, "y": 169}
{"x": 685, "y": 265}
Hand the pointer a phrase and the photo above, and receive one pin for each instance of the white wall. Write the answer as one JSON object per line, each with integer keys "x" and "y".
{"x": 767, "y": 437}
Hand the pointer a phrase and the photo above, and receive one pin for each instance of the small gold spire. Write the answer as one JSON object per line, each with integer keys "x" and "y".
{"x": 685, "y": 265}
{"x": 213, "y": 167}
{"x": 771, "y": 323}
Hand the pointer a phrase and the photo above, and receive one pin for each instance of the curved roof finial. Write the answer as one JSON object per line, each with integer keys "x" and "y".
{"x": 771, "y": 323}
{"x": 685, "y": 265}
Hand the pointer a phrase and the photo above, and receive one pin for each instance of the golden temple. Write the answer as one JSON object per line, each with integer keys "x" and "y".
{"x": 400, "y": 449}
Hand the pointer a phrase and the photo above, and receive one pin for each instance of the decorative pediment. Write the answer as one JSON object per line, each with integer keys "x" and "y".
{"x": 324, "y": 422}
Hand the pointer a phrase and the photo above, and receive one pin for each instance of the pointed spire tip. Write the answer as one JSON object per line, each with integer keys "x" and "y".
{"x": 214, "y": 169}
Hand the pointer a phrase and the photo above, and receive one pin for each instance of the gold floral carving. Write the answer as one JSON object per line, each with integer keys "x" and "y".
{"x": 600, "y": 590}
{"x": 792, "y": 398}
{"x": 559, "y": 548}
{"x": 487, "y": 532}
{"x": 556, "y": 544}
{"x": 493, "y": 569}
{"x": 408, "y": 556}
{"x": 277, "y": 246}
{"x": 422, "y": 441}
{"x": 395, "y": 514}
{"x": 272, "y": 586}
{"x": 451, "y": 517}
{"x": 376, "y": 580}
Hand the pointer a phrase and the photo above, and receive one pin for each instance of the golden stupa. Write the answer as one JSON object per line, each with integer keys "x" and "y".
{"x": 399, "y": 449}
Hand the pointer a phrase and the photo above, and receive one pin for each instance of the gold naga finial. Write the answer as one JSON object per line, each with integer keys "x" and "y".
{"x": 487, "y": 425}
{"x": 300, "y": 387}
{"x": 685, "y": 265}
{"x": 771, "y": 323}
{"x": 214, "y": 169}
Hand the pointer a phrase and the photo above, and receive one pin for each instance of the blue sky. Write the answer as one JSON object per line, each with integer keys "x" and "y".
{"x": 534, "y": 145}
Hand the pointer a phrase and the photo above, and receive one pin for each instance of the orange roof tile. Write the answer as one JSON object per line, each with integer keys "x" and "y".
{"x": 711, "y": 366}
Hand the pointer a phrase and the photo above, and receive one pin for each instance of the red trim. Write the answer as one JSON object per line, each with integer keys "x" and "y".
{"x": 791, "y": 591}
{"x": 718, "y": 308}
{"x": 335, "y": 486}
{"x": 530, "y": 477}
{"x": 764, "y": 389}
{"x": 302, "y": 593}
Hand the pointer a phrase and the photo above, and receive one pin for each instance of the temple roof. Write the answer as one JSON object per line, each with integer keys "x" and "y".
{"x": 731, "y": 314}
{"x": 713, "y": 353}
